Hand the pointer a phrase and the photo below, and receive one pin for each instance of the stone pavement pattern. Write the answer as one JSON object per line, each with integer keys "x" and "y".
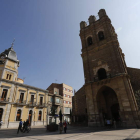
{"x": 73, "y": 133}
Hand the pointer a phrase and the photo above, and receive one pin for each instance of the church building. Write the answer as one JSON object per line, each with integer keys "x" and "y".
{"x": 111, "y": 89}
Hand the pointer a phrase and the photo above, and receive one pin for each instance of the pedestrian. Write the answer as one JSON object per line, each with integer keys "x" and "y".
{"x": 114, "y": 124}
{"x": 1, "y": 122}
{"x": 61, "y": 127}
{"x": 108, "y": 123}
{"x": 65, "y": 126}
{"x": 20, "y": 126}
{"x": 24, "y": 124}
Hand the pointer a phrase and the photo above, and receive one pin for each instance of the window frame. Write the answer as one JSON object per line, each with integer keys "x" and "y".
{"x": 100, "y": 39}
{"x": 39, "y": 117}
{"x": 89, "y": 41}
{"x": 17, "y": 114}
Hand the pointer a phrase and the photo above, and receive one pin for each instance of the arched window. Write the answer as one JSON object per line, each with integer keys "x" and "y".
{"x": 40, "y": 115}
{"x": 30, "y": 116}
{"x": 18, "y": 115}
{"x": 1, "y": 113}
{"x": 89, "y": 41}
{"x": 101, "y": 35}
{"x": 102, "y": 74}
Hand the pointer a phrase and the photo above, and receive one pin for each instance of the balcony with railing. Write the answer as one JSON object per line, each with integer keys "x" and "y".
{"x": 31, "y": 103}
{"x": 40, "y": 104}
{"x": 4, "y": 100}
{"x": 57, "y": 101}
{"x": 21, "y": 102}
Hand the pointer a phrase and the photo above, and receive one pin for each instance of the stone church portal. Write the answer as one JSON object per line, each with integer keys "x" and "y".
{"x": 108, "y": 104}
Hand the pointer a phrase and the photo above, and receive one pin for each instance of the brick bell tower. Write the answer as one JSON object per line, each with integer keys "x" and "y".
{"x": 109, "y": 94}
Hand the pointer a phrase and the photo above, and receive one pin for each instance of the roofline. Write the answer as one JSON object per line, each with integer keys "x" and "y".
{"x": 68, "y": 85}
{"x": 133, "y": 68}
{"x": 24, "y": 85}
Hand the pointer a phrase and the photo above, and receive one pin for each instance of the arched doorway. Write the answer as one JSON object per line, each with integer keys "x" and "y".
{"x": 108, "y": 104}
{"x": 1, "y": 113}
{"x": 30, "y": 116}
{"x": 18, "y": 115}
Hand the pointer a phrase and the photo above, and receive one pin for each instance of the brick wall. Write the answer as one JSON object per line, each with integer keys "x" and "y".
{"x": 79, "y": 102}
{"x": 134, "y": 74}
{"x": 134, "y": 77}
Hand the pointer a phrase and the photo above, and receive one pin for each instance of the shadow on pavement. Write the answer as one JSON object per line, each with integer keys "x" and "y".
{"x": 132, "y": 139}
{"x": 12, "y": 133}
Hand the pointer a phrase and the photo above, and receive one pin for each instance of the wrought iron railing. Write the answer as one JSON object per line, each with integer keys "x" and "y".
{"x": 32, "y": 103}
{"x": 19, "y": 101}
{"x": 4, "y": 99}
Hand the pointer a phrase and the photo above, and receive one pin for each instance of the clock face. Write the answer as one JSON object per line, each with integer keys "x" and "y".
{"x": 2, "y": 57}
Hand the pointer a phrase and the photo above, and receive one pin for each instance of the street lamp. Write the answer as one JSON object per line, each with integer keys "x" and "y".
{"x": 32, "y": 101}
{"x": 34, "y": 117}
{"x": 47, "y": 112}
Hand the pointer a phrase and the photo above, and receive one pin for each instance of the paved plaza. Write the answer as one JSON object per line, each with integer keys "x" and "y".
{"x": 73, "y": 133}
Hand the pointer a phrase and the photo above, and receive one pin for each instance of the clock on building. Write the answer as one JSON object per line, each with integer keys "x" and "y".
{"x": 2, "y": 57}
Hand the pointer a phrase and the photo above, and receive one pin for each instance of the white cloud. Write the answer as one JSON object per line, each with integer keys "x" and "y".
{"x": 118, "y": 29}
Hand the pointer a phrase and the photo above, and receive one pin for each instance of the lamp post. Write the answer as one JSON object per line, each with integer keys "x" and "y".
{"x": 32, "y": 108}
{"x": 47, "y": 117}
{"x": 34, "y": 117}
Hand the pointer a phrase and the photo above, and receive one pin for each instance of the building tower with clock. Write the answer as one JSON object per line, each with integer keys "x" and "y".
{"x": 21, "y": 101}
{"x": 109, "y": 86}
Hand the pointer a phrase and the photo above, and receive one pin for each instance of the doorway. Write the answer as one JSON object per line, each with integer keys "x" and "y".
{"x": 108, "y": 104}
{"x": 1, "y": 113}
{"x": 30, "y": 117}
{"x": 115, "y": 112}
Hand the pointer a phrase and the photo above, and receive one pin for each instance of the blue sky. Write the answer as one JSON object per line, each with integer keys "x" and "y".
{"x": 47, "y": 36}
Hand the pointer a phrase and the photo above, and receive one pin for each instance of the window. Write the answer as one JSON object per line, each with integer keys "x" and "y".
{"x": 51, "y": 99}
{"x": 102, "y": 74}
{"x": 4, "y": 94}
{"x": 64, "y": 101}
{"x": 57, "y": 100}
{"x": 89, "y": 41}
{"x": 55, "y": 92}
{"x": 40, "y": 114}
{"x": 68, "y": 96}
{"x": 18, "y": 115}
{"x": 68, "y": 90}
{"x": 64, "y": 88}
{"x": 21, "y": 97}
{"x": 64, "y": 95}
{"x": 71, "y": 91}
{"x": 10, "y": 77}
{"x": 101, "y": 35}
{"x": 66, "y": 110}
{"x": 41, "y": 100}
{"x": 32, "y": 98}
{"x": 68, "y": 102}
{"x": 7, "y": 76}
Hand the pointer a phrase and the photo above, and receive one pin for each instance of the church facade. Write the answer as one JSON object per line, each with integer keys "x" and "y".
{"x": 110, "y": 86}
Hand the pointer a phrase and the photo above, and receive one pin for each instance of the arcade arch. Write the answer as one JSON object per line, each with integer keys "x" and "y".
{"x": 108, "y": 104}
